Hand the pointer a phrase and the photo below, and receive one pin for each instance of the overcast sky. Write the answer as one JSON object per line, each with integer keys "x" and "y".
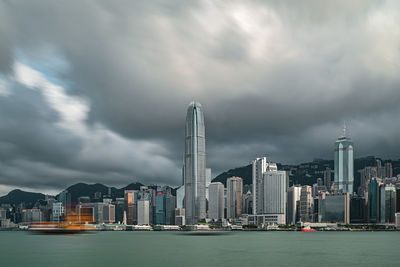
{"x": 97, "y": 91}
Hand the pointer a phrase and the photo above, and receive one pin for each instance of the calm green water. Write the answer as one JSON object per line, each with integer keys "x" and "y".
{"x": 175, "y": 249}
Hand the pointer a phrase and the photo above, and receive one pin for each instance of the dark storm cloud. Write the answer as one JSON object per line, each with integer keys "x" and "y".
{"x": 275, "y": 78}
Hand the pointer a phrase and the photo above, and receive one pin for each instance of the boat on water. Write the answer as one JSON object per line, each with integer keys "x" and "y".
{"x": 72, "y": 224}
{"x": 59, "y": 228}
{"x": 308, "y": 229}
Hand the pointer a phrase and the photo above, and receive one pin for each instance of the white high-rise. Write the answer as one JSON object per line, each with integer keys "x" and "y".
{"x": 260, "y": 166}
{"x": 216, "y": 201}
{"x": 143, "y": 212}
{"x": 195, "y": 165}
{"x": 275, "y": 192}
{"x": 344, "y": 169}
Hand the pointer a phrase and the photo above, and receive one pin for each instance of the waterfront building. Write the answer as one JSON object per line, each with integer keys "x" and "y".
{"x": 31, "y": 215}
{"x": 387, "y": 203}
{"x": 130, "y": 206}
{"x": 373, "y": 200}
{"x": 216, "y": 201}
{"x": 179, "y": 216}
{"x": 143, "y": 212}
{"x": 306, "y": 204}
{"x": 398, "y": 198}
{"x": 344, "y": 173}
{"x": 358, "y": 209}
{"x": 160, "y": 207}
{"x": 108, "y": 213}
{"x": 247, "y": 202}
{"x": 85, "y": 213}
{"x": 170, "y": 205}
{"x": 119, "y": 209}
{"x": 275, "y": 189}
{"x": 260, "y": 166}
{"x": 397, "y": 219}
{"x": 234, "y": 186}
{"x": 293, "y": 201}
{"x": 58, "y": 211}
{"x": 195, "y": 165}
{"x": 337, "y": 208}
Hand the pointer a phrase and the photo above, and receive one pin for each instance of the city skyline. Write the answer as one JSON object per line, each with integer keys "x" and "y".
{"x": 108, "y": 107}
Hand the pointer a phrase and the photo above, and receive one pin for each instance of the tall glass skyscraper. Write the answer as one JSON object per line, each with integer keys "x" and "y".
{"x": 195, "y": 165}
{"x": 344, "y": 170}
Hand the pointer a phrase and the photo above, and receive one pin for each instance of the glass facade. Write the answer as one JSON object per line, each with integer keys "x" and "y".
{"x": 344, "y": 169}
{"x": 195, "y": 164}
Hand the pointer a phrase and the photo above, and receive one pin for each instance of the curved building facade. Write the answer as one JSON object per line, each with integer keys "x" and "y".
{"x": 195, "y": 165}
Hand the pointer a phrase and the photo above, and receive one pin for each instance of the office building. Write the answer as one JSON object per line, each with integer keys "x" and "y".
{"x": 293, "y": 202}
{"x": 216, "y": 201}
{"x": 260, "y": 166}
{"x": 195, "y": 165}
{"x": 337, "y": 208}
{"x": 306, "y": 204}
{"x": 131, "y": 206}
{"x": 58, "y": 211}
{"x": 275, "y": 189}
{"x": 234, "y": 186}
{"x": 143, "y": 212}
{"x": 344, "y": 173}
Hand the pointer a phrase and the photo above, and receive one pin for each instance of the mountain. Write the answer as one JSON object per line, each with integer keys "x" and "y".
{"x": 244, "y": 172}
{"x": 17, "y": 196}
{"x": 82, "y": 189}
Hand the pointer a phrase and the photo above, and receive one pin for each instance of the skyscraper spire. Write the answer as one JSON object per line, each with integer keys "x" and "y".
{"x": 344, "y": 128}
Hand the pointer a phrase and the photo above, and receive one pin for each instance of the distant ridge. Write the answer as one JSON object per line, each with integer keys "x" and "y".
{"x": 18, "y": 196}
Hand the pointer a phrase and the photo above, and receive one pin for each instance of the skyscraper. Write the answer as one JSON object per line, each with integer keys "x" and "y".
{"x": 306, "y": 204}
{"x": 260, "y": 166}
{"x": 344, "y": 173}
{"x": 216, "y": 201}
{"x": 293, "y": 202}
{"x": 234, "y": 186}
{"x": 195, "y": 164}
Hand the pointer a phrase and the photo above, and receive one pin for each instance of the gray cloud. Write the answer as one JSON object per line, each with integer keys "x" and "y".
{"x": 274, "y": 78}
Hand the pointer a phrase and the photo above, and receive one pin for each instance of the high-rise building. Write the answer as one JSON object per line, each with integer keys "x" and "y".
{"x": 195, "y": 165}
{"x": 387, "y": 203}
{"x": 344, "y": 173}
{"x": 306, "y": 204}
{"x": 216, "y": 201}
{"x": 143, "y": 212}
{"x": 293, "y": 202}
{"x": 234, "y": 186}
{"x": 260, "y": 166}
{"x": 130, "y": 206}
{"x": 328, "y": 178}
{"x": 275, "y": 189}
{"x": 160, "y": 207}
{"x": 337, "y": 208}
{"x": 373, "y": 200}
{"x": 58, "y": 211}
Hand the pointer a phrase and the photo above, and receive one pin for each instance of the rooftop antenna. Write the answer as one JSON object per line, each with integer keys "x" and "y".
{"x": 344, "y": 128}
